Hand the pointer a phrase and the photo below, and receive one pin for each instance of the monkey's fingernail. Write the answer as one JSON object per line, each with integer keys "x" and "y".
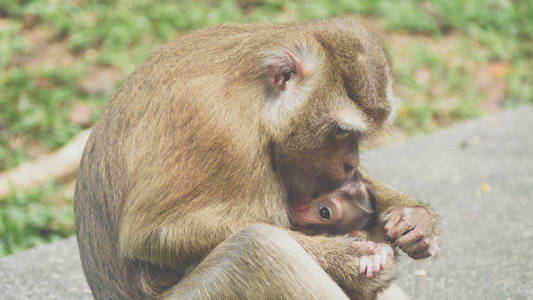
{"x": 387, "y": 238}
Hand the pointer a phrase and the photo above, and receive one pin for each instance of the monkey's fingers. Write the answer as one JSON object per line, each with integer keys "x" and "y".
{"x": 365, "y": 264}
{"x": 420, "y": 249}
{"x": 420, "y": 255}
{"x": 363, "y": 248}
{"x": 392, "y": 219}
{"x": 378, "y": 261}
{"x": 369, "y": 271}
{"x": 386, "y": 258}
{"x": 400, "y": 229}
{"x": 383, "y": 257}
{"x": 409, "y": 239}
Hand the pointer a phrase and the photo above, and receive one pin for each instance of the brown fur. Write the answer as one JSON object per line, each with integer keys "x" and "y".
{"x": 185, "y": 155}
{"x": 352, "y": 209}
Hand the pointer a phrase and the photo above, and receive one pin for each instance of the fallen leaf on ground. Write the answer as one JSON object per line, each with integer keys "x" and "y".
{"x": 485, "y": 188}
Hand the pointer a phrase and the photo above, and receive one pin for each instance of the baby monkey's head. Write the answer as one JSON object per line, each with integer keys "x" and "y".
{"x": 348, "y": 208}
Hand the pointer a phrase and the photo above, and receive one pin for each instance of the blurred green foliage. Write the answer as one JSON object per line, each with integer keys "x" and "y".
{"x": 37, "y": 95}
{"x": 27, "y": 219}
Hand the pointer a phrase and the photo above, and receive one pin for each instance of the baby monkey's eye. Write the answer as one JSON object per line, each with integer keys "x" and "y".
{"x": 325, "y": 212}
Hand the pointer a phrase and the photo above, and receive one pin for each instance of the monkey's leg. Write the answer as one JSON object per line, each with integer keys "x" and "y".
{"x": 259, "y": 262}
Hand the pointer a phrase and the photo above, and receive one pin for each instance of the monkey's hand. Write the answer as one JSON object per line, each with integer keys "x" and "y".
{"x": 340, "y": 257}
{"x": 373, "y": 257}
{"x": 412, "y": 230}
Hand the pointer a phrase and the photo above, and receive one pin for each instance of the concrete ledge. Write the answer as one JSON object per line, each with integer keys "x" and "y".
{"x": 50, "y": 271}
{"x": 487, "y": 237}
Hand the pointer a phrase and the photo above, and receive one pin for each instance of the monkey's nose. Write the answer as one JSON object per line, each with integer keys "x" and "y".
{"x": 351, "y": 163}
{"x": 348, "y": 168}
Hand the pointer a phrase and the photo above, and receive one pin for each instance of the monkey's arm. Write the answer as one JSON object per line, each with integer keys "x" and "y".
{"x": 340, "y": 258}
{"x": 388, "y": 199}
{"x": 409, "y": 223}
{"x": 173, "y": 233}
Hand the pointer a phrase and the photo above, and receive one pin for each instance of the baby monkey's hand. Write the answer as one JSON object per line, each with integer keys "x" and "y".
{"x": 373, "y": 257}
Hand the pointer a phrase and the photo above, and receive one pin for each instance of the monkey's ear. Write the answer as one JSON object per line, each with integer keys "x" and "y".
{"x": 283, "y": 67}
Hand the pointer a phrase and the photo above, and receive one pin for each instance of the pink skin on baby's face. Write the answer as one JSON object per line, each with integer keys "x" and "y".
{"x": 346, "y": 209}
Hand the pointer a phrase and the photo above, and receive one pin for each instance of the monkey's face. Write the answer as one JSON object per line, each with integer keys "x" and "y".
{"x": 348, "y": 208}
{"x": 322, "y": 149}
{"x": 329, "y": 98}
{"x": 322, "y": 154}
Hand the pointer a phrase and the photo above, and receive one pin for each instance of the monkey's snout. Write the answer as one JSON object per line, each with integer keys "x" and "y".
{"x": 351, "y": 162}
{"x": 349, "y": 170}
{"x": 348, "y": 167}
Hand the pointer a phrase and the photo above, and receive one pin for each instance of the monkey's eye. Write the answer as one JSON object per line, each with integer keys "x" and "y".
{"x": 325, "y": 212}
{"x": 341, "y": 131}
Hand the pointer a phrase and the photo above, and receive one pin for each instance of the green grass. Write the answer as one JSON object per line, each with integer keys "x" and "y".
{"x": 28, "y": 219}
{"x": 37, "y": 94}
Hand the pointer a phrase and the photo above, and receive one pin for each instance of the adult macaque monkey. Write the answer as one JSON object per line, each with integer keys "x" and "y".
{"x": 185, "y": 184}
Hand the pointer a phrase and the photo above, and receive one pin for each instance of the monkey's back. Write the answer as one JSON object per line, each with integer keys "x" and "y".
{"x": 161, "y": 109}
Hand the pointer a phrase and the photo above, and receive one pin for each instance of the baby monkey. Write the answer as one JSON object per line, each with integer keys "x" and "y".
{"x": 349, "y": 209}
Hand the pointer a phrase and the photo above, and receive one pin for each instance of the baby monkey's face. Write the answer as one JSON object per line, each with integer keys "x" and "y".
{"x": 346, "y": 209}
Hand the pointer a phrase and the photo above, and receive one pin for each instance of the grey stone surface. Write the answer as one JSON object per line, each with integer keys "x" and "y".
{"x": 50, "y": 271}
{"x": 487, "y": 237}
